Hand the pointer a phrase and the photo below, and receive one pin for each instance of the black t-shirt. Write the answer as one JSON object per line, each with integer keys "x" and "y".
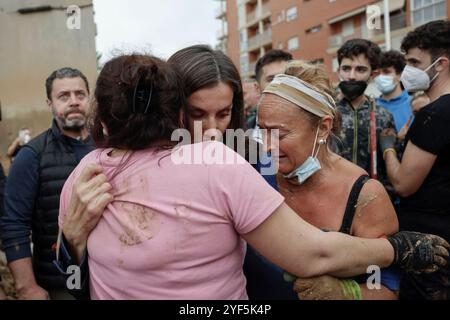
{"x": 428, "y": 210}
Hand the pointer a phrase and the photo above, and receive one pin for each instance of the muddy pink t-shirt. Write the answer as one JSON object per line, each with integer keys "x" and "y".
{"x": 173, "y": 229}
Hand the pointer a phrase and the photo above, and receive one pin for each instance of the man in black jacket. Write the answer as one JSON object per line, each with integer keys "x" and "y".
{"x": 34, "y": 185}
{"x": 2, "y": 189}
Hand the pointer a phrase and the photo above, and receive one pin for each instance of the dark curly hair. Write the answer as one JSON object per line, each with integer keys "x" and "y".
{"x": 394, "y": 59}
{"x": 433, "y": 37}
{"x": 138, "y": 98}
{"x": 354, "y": 47}
{"x": 273, "y": 55}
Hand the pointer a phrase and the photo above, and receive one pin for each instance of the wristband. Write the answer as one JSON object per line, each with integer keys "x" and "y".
{"x": 351, "y": 289}
{"x": 388, "y": 149}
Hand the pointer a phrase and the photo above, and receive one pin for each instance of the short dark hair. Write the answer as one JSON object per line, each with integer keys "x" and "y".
{"x": 354, "y": 47}
{"x": 394, "y": 59}
{"x": 201, "y": 67}
{"x": 273, "y": 55}
{"x": 433, "y": 37}
{"x": 125, "y": 87}
{"x": 62, "y": 73}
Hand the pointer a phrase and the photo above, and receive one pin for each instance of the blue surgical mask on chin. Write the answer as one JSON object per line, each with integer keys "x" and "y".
{"x": 308, "y": 168}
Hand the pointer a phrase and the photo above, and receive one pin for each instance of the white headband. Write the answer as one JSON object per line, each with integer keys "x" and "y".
{"x": 304, "y": 95}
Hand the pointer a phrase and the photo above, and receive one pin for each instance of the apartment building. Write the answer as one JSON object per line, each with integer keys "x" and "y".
{"x": 314, "y": 30}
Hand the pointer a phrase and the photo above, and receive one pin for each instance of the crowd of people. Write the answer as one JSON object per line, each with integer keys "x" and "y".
{"x": 358, "y": 181}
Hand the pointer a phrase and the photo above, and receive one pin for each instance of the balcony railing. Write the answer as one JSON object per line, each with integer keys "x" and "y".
{"x": 258, "y": 14}
{"x": 221, "y": 11}
{"x": 252, "y": 16}
{"x": 221, "y": 34}
{"x": 396, "y": 22}
{"x": 265, "y": 10}
{"x": 339, "y": 39}
{"x": 260, "y": 39}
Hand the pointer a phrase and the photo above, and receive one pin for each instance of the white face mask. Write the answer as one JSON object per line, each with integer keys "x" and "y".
{"x": 415, "y": 79}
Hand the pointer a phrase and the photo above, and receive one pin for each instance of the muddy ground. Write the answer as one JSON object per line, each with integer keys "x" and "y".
{"x": 6, "y": 279}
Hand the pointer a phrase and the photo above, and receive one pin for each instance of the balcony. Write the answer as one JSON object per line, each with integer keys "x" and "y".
{"x": 397, "y": 22}
{"x": 260, "y": 40}
{"x": 252, "y": 16}
{"x": 222, "y": 34}
{"x": 258, "y": 14}
{"x": 339, "y": 39}
{"x": 221, "y": 12}
{"x": 265, "y": 10}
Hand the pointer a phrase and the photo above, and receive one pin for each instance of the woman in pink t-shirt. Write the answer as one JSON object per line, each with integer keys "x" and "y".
{"x": 161, "y": 221}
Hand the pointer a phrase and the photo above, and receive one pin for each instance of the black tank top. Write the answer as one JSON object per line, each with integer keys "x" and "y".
{"x": 351, "y": 204}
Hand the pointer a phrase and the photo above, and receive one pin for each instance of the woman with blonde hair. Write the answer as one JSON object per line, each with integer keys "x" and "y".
{"x": 323, "y": 188}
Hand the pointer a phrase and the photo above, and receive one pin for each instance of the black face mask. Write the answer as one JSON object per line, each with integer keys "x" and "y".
{"x": 352, "y": 89}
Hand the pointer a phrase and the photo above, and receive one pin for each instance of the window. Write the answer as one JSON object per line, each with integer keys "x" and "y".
{"x": 291, "y": 14}
{"x": 293, "y": 43}
{"x": 347, "y": 28}
{"x": 424, "y": 11}
{"x": 314, "y": 29}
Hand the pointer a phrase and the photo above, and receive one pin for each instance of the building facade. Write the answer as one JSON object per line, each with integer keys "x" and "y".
{"x": 314, "y": 30}
{"x": 38, "y": 37}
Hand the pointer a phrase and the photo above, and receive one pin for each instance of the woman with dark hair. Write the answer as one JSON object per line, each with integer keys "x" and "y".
{"x": 213, "y": 88}
{"x": 164, "y": 230}
{"x": 212, "y": 85}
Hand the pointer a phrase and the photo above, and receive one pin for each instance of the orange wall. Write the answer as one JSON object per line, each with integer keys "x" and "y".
{"x": 233, "y": 45}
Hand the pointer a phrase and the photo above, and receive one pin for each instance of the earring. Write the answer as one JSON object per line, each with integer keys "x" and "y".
{"x": 322, "y": 141}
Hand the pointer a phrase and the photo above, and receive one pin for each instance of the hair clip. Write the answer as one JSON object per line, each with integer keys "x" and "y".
{"x": 141, "y": 96}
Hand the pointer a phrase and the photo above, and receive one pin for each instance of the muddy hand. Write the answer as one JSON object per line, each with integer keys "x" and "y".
{"x": 418, "y": 252}
{"x": 327, "y": 288}
{"x": 388, "y": 138}
{"x": 90, "y": 195}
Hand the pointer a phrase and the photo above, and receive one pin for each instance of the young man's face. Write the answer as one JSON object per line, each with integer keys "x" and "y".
{"x": 251, "y": 95}
{"x": 269, "y": 71}
{"x": 69, "y": 103}
{"x": 418, "y": 58}
{"x": 390, "y": 71}
{"x": 356, "y": 68}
